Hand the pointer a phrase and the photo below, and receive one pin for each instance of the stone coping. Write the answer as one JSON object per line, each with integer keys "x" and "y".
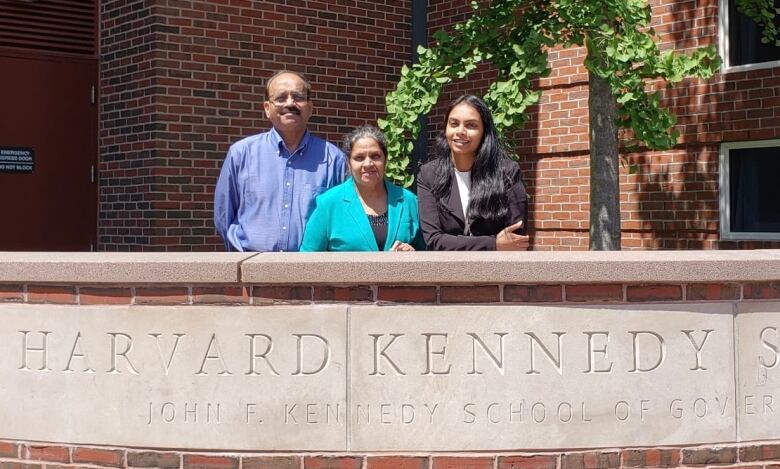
{"x": 391, "y": 268}
{"x": 115, "y": 267}
{"x": 513, "y": 267}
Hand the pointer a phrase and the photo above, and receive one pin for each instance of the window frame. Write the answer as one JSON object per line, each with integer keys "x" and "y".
{"x": 723, "y": 44}
{"x": 724, "y": 196}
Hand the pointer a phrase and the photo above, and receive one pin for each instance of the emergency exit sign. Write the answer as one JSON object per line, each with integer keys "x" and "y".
{"x": 17, "y": 160}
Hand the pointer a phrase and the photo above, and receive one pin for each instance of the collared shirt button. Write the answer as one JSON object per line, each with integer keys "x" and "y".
{"x": 286, "y": 205}
{"x": 287, "y": 184}
{"x": 284, "y": 227}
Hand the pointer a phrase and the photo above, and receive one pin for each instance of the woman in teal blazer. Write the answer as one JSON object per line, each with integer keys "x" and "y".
{"x": 366, "y": 212}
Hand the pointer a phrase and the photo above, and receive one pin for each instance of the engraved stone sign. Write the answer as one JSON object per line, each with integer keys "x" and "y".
{"x": 498, "y": 377}
{"x": 375, "y": 378}
{"x": 758, "y": 388}
{"x": 190, "y": 376}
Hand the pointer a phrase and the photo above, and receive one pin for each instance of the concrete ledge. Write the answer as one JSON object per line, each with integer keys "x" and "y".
{"x": 105, "y": 267}
{"x": 515, "y": 267}
{"x": 391, "y": 268}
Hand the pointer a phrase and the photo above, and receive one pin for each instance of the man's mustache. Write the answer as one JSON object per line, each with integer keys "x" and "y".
{"x": 290, "y": 109}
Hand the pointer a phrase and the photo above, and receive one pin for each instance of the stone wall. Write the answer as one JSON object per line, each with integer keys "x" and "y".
{"x": 534, "y": 360}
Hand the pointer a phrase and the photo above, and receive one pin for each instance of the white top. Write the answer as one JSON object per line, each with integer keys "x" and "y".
{"x": 464, "y": 188}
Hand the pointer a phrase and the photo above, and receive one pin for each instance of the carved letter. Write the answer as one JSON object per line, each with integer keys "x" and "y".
{"x": 193, "y": 412}
{"x": 384, "y": 412}
{"x": 697, "y": 347}
{"x": 661, "y": 351}
{"x": 431, "y": 410}
{"x": 675, "y": 409}
{"x": 513, "y": 412}
{"x": 556, "y": 361}
{"x": 722, "y": 407}
{"x": 490, "y": 408}
{"x": 43, "y": 349}
{"x": 336, "y": 413}
{"x": 407, "y": 417}
{"x": 171, "y": 415}
{"x": 470, "y": 416}
{"x": 250, "y": 410}
{"x": 208, "y": 356}
{"x": 539, "y": 405}
{"x": 325, "y": 354}
{"x": 769, "y": 346}
{"x": 703, "y": 406}
{"x": 288, "y": 413}
{"x": 497, "y": 361}
{"x": 253, "y": 356}
{"x": 123, "y": 354}
{"x": 311, "y": 413}
{"x": 216, "y": 413}
{"x": 383, "y": 354}
{"x": 593, "y": 351}
{"x": 570, "y": 412}
{"x": 768, "y": 401}
{"x": 166, "y": 364}
{"x": 79, "y": 354}
{"x": 364, "y": 412}
{"x": 429, "y": 355}
{"x": 643, "y": 408}
{"x": 627, "y": 411}
{"x": 749, "y": 405}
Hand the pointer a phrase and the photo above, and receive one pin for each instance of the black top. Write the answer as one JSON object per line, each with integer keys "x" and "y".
{"x": 379, "y": 227}
{"x": 442, "y": 222}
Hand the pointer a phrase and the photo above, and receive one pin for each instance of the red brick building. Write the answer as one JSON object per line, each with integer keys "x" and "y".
{"x": 179, "y": 81}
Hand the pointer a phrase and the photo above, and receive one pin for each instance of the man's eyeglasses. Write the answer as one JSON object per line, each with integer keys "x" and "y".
{"x": 282, "y": 99}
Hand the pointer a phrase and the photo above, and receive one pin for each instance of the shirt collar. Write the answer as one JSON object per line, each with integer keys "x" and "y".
{"x": 277, "y": 140}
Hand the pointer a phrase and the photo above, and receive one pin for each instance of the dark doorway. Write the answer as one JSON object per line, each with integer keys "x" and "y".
{"x": 47, "y": 106}
{"x": 49, "y": 118}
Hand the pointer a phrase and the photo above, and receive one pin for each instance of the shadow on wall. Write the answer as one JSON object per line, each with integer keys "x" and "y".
{"x": 673, "y": 200}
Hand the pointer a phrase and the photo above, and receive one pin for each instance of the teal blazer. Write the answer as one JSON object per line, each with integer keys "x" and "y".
{"x": 339, "y": 222}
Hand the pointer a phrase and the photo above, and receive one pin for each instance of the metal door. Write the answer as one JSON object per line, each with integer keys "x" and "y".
{"x": 47, "y": 104}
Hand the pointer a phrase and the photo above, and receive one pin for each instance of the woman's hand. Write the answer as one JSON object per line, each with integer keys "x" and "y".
{"x": 507, "y": 240}
{"x": 399, "y": 246}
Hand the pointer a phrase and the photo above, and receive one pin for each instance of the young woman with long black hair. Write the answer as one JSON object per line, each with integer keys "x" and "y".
{"x": 470, "y": 193}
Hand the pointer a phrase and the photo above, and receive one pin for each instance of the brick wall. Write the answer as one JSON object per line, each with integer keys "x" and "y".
{"x": 265, "y": 294}
{"x": 181, "y": 81}
{"x": 29, "y": 455}
{"x": 672, "y": 201}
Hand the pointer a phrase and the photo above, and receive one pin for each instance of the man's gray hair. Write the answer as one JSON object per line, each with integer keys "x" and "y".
{"x": 306, "y": 84}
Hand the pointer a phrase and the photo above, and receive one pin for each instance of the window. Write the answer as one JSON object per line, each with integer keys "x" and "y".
{"x": 750, "y": 190}
{"x": 741, "y": 44}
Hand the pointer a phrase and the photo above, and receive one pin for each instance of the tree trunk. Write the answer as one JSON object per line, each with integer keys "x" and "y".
{"x": 604, "y": 169}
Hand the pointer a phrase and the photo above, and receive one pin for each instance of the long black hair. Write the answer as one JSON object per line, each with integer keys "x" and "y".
{"x": 488, "y": 199}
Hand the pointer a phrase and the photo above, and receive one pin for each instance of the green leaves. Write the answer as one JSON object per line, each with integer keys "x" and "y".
{"x": 764, "y": 13}
{"x": 514, "y": 36}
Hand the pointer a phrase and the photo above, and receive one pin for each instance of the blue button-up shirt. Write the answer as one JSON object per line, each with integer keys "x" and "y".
{"x": 265, "y": 194}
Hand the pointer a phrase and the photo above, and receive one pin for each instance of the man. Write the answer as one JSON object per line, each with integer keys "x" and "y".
{"x": 266, "y": 190}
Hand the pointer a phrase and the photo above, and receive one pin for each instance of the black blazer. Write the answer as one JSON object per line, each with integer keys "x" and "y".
{"x": 442, "y": 222}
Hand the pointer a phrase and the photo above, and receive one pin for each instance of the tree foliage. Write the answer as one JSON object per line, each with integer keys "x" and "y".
{"x": 764, "y": 13}
{"x": 514, "y": 36}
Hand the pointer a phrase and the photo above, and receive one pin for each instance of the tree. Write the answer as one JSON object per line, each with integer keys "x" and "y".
{"x": 514, "y": 36}
{"x": 764, "y": 14}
